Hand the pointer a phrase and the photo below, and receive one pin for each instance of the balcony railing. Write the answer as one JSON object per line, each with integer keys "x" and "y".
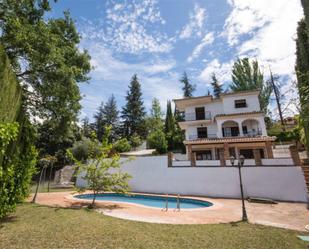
{"x": 194, "y": 137}
{"x": 192, "y": 116}
{"x": 209, "y": 136}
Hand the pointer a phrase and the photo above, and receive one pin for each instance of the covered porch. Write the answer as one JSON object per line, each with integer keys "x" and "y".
{"x": 256, "y": 148}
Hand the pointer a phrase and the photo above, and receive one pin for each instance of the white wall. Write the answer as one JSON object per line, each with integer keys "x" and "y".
{"x": 151, "y": 174}
{"x": 229, "y": 105}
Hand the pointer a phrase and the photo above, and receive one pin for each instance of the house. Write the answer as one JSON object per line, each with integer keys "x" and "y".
{"x": 231, "y": 125}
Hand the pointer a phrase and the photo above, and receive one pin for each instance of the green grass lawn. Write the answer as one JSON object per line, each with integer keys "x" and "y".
{"x": 43, "y": 188}
{"x": 34, "y": 226}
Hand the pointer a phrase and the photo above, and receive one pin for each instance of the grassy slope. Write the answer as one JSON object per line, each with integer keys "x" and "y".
{"x": 34, "y": 226}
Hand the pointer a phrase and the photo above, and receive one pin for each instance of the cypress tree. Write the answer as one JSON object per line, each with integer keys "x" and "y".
{"x": 169, "y": 125}
{"x": 302, "y": 73}
{"x": 216, "y": 86}
{"x": 133, "y": 113}
{"x": 187, "y": 88}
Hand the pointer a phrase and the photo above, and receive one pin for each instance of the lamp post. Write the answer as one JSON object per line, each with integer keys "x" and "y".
{"x": 241, "y": 162}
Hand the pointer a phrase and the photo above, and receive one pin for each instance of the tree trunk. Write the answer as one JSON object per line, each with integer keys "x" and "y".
{"x": 93, "y": 200}
{"x": 50, "y": 174}
{"x": 37, "y": 186}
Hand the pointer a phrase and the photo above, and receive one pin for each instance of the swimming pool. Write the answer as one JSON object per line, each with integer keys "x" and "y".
{"x": 147, "y": 200}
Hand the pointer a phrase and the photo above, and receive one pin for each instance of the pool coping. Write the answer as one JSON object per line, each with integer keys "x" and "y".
{"x": 215, "y": 205}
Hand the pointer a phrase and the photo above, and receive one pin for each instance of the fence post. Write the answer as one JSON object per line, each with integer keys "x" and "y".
{"x": 193, "y": 159}
{"x": 222, "y": 157}
{"x": 295, "y": 155}
{"x": 170, "y": 159}
{"x": 257, "y": 157}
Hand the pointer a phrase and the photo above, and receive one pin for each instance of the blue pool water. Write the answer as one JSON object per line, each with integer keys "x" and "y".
{"x": 151, "y": 201}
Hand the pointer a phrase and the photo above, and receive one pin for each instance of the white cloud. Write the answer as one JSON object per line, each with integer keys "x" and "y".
{"x": 112, "y": 76}
{"x": 208, "y": 39}
{"x": 222, "y": 71}
{"x": 265, "y": 30}
{"x": 195, "y": 25}
{"x": 130, "y": 27}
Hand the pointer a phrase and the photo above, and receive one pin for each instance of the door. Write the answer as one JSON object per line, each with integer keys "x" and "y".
{"x": 199, "y": 113}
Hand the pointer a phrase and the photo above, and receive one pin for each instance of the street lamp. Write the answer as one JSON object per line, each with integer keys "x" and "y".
{"x": 232, "y": 160}
{"x": 241, "y": 161}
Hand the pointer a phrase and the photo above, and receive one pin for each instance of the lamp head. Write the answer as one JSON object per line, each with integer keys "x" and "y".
{"x": 241, "y": 160}
{"x": 232, "y": 160}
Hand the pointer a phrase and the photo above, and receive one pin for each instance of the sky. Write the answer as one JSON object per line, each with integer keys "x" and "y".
{"x": 160, "y": 39}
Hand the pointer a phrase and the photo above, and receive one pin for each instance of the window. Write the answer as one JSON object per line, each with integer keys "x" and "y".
{"x": 202, "y": 132}
{"x": 240, "y": 103}
{"x": 245, "y": 130}
{"x": 204, "y": 155}
{"x": 200, "y": 113}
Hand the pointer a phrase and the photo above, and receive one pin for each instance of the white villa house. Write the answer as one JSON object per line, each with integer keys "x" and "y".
{"x": 231, "y": 125}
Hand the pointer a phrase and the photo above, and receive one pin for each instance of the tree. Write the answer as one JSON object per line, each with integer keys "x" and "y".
{"x": 103, "y": 172}
{"x": 169, "y": 125}
{"x": 86, "y": 128}
{"x": 187, "y": 88}
{"x": 46, "y": 58}
{"x": 156, "y": 140}
{"x": 216, "y": 86}
{"x": 247, "y": 76}
{"x": 302, "y": 73}
{"x": 99, "y": 121}
{"x": 154, "y": 121}
{"x": 133, "y": 113}
{"x": 110, "y": 117}
{"x": 276, "y": 91}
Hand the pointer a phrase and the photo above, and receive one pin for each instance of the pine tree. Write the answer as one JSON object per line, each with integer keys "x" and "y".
{"x": 155, "y": 120}
{"x": 111, "y": 117}
{"x": 187, "y": 88}
{"x": 86, "y": 127}
{"x": 216, "y": 86}
{"x": 133, "y": 113}
{"x": 248, "y": 76}
{"x": 99, "y": 123}
{"x": 302, "y": 73}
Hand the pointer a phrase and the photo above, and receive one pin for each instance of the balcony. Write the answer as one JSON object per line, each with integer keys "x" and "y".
{"x": 198, "y": 116}
{"x": 195, "y": 137}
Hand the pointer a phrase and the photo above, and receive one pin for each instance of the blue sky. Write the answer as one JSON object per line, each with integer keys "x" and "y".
{"x": 158, "y": 40}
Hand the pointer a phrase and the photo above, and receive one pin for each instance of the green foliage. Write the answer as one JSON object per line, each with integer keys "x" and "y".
{"x": 85, "y": 149}
{"x": 174, "y": 135}
{"x": 107, "y": 115}
{"x": 10, "y": 92}
{"x": 187, "y": 88}
{"x": 122, "y": 145}
{"x": 154, "y": 121}
{"x": 17, "y": 153}
{"x": 216, "y": 86}
{"x": 17, "y": 163}
{"x": 248, "y": 76}
{"x": 302, "y": 73}
{"x": 98, "y": 173}
{"x": 156, "y": 140}
{"x": 135, "y": 141}
{"x": 133, "y": 113}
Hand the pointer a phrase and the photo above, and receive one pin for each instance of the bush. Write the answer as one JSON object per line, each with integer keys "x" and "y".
{"x": 135, "y": 141}
{"x": 156, "y": 140}
{"x": 122, "y": 145}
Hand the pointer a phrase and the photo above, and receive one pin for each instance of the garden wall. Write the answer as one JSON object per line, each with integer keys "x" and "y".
{"x": 151, "y": 174}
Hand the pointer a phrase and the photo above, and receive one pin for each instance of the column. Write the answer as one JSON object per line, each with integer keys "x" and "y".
{"x": 257, "y": 157}
{"x": 221, "y": 157}
{"x": 295, "y": 155}
{"x": 193, "y": 159}
{"x": 169, "y": 159}
{"x": 269, "y": 149}
{"x": 226, "y": 151}
{"x": 241, "y": 133}
{"x": 189, "y": 151}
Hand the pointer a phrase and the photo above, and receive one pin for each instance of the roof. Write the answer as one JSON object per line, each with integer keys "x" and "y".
{"x": 230, "y": 140}
{"x": 181, "y": 104}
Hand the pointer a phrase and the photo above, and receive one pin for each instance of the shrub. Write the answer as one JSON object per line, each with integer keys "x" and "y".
{"x": 135, "y": 141}
{"x": 122, "y": 145}
{"x": 156, "y": 140}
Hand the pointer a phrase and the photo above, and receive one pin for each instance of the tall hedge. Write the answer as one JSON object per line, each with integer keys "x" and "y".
{"x": 17, "y": 153}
